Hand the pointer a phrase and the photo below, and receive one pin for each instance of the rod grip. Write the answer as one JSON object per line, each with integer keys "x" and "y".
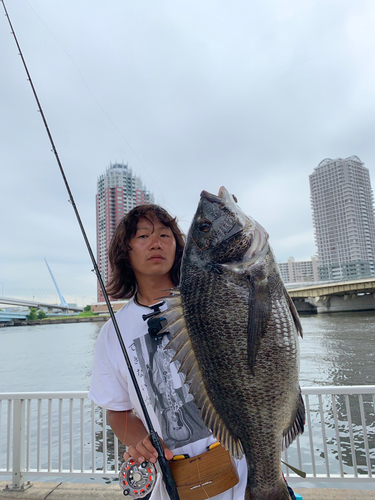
{"x": 168, "y": 478}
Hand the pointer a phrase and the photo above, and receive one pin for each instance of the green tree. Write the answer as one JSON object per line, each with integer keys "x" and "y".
{"x": 32, "y": 315}
{"x": 41, "y": 314}
{"x": 87, "y": 309}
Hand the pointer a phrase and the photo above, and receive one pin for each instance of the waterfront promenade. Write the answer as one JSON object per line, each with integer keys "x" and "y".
{"x": 61, "y": 491}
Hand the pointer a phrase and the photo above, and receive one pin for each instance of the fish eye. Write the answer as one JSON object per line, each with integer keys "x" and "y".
{"x": 205, "y": 226}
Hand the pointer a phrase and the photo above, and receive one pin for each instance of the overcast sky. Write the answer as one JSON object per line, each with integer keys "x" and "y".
{"x": 193, "y": 95}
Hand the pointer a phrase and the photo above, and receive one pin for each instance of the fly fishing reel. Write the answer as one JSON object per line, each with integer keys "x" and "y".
{"x": 137, "y": 480}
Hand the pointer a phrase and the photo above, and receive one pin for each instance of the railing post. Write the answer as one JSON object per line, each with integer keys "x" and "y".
{"x": 19, "y": 407}
{"x": 18, "y": 443}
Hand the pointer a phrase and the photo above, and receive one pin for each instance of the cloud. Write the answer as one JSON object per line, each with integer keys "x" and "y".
{"x": 194, "y": 95}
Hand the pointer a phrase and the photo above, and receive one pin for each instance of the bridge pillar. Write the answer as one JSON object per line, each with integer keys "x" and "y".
{"x": 304, "y": 306}
{"x": 343, "y": 303}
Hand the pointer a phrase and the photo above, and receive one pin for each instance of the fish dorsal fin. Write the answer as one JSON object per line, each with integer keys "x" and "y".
{"x": 297, "y": 425}
{"x": 184, "y": 354}
{"x": 173, "y": 301}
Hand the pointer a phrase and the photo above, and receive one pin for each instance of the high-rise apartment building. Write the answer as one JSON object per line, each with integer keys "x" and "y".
{"x": 299, "y": 271}
{"x": 119, "y": 190}
{"x": 343, "y": 215}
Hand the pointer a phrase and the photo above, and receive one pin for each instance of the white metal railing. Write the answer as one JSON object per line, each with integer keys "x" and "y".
{"x": 339, "y": 438}
{"x": 64, "y": 433}
{"x": 57, "y": 433}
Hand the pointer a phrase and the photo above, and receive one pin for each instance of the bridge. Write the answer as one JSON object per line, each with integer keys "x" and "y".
{"x": 38, "y": 304}
{"x": 338, "y": 296}
{"x": 9, "y": 317}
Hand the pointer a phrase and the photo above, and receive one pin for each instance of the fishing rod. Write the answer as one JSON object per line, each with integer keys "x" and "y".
{"x": 154, "y": 437}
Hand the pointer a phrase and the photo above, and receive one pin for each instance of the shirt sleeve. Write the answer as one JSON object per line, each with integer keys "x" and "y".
{"x": 109, "y": 386}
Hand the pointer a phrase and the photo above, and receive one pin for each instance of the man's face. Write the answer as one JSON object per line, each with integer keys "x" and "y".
{"x": 152, "y": 249}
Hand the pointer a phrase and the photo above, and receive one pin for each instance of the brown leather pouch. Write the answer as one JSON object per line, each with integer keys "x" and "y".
{"x": 205, "y": 475}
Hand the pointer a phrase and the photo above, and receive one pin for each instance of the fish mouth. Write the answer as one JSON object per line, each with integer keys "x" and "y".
{"x": 221, "y": 198}
{"x": 260, "y": 236}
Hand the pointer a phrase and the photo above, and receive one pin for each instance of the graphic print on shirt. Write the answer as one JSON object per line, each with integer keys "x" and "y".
{"x": 179, "y": 417}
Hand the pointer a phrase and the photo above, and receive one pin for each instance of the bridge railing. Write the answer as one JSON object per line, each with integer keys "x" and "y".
{"x": 8, "y": 317}
{"x": 66, "y": 434}
{"x": 37, "y": 304}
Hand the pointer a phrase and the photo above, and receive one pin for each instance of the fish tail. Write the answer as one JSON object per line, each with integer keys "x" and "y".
{"x": 278, "y": 492}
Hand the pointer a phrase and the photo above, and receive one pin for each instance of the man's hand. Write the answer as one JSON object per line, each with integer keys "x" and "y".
{"x": 144, "y": 450}
{"x": 130, "y": 430}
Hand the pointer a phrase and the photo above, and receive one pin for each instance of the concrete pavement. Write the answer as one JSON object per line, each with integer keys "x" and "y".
{"x": 87, "y": 491}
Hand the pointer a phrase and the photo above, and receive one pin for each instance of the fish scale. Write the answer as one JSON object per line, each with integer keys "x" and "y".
{"x": 242, "y": 331}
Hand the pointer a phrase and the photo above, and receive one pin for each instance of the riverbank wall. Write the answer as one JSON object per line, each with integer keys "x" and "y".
{"x": 55, "y": 321}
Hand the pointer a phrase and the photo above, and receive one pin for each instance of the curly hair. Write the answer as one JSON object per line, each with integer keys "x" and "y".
{"x": 122, "y": 283}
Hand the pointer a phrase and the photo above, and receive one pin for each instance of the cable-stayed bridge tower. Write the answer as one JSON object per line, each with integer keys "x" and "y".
{"x": 62, "y": 300}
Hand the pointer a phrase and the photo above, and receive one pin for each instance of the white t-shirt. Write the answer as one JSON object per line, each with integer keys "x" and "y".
{"x": 173, "y": 413}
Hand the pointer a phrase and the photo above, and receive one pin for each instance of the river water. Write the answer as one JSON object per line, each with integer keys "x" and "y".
{"x": 336, "y": 349}
{"x": 47, "y": 357}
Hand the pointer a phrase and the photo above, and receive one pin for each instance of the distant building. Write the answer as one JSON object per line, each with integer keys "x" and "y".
{"x": 343, "y": 215}
{"x": 119, "y": 190}
{"x": 299, "y": 272}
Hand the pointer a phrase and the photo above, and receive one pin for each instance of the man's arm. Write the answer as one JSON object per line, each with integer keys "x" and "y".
{"x": 132, "y": 433}
{"x": 127, "y": 426}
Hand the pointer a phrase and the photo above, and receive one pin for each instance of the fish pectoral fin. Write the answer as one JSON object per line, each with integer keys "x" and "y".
{"x": 297, "y": 426}
{"x": 294, "y": 312}
{"x": 259, "y": 314}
